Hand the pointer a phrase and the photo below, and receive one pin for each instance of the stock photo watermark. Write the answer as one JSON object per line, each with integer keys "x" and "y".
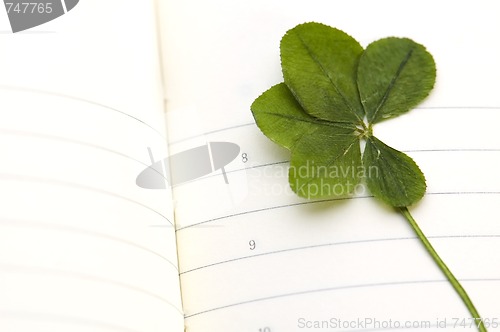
{"x": 371, "y": 323}
{"x": 25, "y": 15}
{"x": 333, "y": 180}
{"x": 188, "y": 165}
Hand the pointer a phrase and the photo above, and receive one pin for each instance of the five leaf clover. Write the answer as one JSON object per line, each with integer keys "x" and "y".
{"x": 333, "y": 93}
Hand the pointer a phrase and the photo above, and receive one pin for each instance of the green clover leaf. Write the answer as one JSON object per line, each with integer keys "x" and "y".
{"x": 332, "y": 95}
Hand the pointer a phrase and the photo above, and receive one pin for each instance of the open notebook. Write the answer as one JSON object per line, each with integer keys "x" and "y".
{"x": 83, "y": 248}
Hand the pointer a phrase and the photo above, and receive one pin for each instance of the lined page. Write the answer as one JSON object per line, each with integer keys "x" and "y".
{"x": 80, "y": 103}
{"x": 253, "y": 256}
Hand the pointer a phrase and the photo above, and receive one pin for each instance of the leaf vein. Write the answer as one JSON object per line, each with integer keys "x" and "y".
{"x": 325, "y": 72}
{"x": 393, "y": 81}
{"x": 388, "y": 167}
{"x": 329, "y": 163}
{"x": 344, "y": 125}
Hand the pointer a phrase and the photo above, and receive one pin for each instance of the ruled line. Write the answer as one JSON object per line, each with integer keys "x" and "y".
{"x": 23, "y": 178}
{"x": 236, "y": 171}
{"x": 266, "y": 209}
{"x": 339, "y": 288}
{"x": 342, "y": 243}
{"x": 323, "y": 201}
{"x": 69, "y": 140}
{"x": 256, "y": 166}
{"x": 66, "y": 96}
{"x": 77, "y": 142}
{"x": 18, "y": 223}
{"x": 19, "y": 269}
{"x": 405, "y": 151}
{"x": 211, "y": 132}
{"x": 253, "y": 123}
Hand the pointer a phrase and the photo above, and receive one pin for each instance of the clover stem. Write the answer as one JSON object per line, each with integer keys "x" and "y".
{"x": 451, "y": 278}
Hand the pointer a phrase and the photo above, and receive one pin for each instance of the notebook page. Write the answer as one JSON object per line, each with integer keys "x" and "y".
{"x": 80, "y": 103}
{"x": 253, "y": 256}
